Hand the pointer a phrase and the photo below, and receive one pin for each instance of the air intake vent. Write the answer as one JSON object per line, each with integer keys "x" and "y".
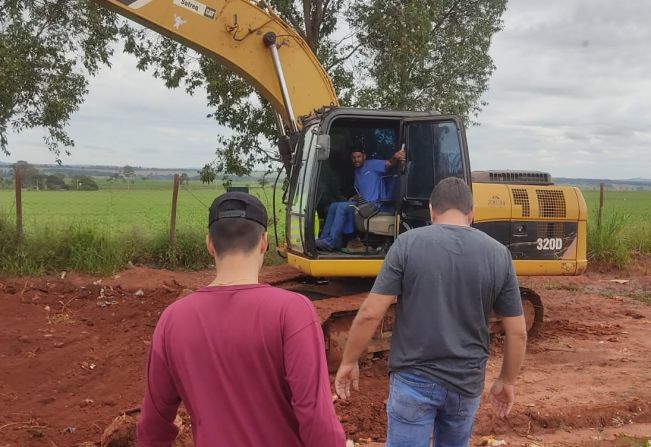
{"x": 549, "y": 230}
{"x": 513, "y": 177}
{"x": 520, "y": 197}
{"x": 551, "y": 203}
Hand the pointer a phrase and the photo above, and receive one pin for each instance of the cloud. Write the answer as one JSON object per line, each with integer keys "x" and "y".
{"x": 131, "y": 118}
{"x": 570, "y": 95}
{"x": 572, "y": 83}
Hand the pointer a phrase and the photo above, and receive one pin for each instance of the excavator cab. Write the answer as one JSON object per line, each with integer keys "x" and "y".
{"x": 322, "y": 173}
{"x": 542, "y": 225}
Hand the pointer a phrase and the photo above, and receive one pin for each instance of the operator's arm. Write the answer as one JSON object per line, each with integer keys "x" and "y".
{"x": 387, "y": 287}
{"x": 155, "y": 426}
{"x": 509, "y": 306}
{"x": 306, "y": 372}
{"x": 395, "y": 158}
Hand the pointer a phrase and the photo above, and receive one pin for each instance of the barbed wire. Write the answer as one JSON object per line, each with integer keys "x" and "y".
{"x": 187, "y": 188}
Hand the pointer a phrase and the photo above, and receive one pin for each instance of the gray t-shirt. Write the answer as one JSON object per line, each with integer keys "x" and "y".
{"x": 448, "y": 279}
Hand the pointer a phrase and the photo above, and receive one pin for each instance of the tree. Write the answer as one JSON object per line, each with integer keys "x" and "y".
{"x": 427, "y": 55}
{"x": 129, "y": 173}
{"x": 423, "y": 55}
{"x": 114, "y": 177}
{"x": 87, "y": 184}
{"x": 185, "y": 178}
{"x": 55, "y": 183}
{"x": 48, "y": 49}
{"x": 31, "y": 177}
{"x": 420, "y": 54}
{"x": 207, "y": 174}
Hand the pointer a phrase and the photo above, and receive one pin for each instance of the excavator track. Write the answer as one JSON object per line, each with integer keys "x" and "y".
{"x": 338, "y": 300}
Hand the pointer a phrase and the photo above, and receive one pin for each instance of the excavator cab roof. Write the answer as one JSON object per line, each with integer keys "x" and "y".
{"x": 329, "y": 113}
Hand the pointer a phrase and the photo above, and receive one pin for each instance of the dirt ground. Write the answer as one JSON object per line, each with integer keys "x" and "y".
{"x": 73, "y": 351}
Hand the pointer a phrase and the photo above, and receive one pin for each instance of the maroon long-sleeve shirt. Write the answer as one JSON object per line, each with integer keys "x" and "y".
{"x": 249, "y": 364}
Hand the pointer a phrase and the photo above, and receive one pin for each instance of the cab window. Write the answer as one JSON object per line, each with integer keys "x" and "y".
{"x": 433, "y": 153}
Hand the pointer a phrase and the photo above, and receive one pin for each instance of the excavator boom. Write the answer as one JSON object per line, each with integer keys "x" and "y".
{"x": 232, "y": 32}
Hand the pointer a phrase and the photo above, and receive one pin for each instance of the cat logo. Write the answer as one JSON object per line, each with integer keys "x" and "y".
{"x": 135, "y": 4}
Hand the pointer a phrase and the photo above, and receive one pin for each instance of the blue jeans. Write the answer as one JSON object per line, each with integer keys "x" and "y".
{"x": 419, "y": 408}
{"x": 338, "y": 222}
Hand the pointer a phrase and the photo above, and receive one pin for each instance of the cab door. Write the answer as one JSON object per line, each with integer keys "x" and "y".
{"x": 436, "y": 149}
{"x": 298, "y": 199}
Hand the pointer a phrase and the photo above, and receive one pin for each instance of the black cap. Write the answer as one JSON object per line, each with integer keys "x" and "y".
{"x": 237, "y": 205}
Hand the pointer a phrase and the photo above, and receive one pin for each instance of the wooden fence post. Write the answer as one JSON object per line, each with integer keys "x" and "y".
{"x": 175, "y": 197}
{"x": 18, "y": 174}
{"x": 601, "y": 204}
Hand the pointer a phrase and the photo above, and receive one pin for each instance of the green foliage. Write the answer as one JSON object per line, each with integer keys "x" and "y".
{"x": 101, "y": 231}
{"x": 86, "y": 184}
{"x": 632, "y": 441}
{"x": 48, "y": 48}
{"x": 427, "y": 55}
{"x": 607, "y": 242}
{"x": 634, "y": 207}
{"x": 31, "y": 177}
{"x": 207, "y": 174}
{"x": 640, "y": 238}
{"x": 417, "y": 55}
{"x": 55, "y": 183}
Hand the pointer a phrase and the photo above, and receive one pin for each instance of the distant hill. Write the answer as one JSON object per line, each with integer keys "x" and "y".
{"x": 106, "y": 171}
{"x": 168, "y": 173}
{"x": 636, "y": 184}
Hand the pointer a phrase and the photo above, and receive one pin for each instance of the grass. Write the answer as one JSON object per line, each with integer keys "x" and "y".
{"x": 631, "y": 441}
{"x": 561, "y": 286}
{"x": 101, "y": 231}
{"x": 625, "y": 226}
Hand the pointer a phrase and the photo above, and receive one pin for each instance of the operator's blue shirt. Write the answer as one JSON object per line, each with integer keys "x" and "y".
{"x": 368, "y": 179}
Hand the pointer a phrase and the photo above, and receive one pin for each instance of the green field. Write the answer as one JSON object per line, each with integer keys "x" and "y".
{"x": 118, "y": 209}
{"x": 101, "y": 231}
{"x": 626, "y": 225}
{"x": 636, "y": 204}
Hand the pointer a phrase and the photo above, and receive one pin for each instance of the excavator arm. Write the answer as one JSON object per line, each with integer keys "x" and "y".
{"x": 245, "y": 36}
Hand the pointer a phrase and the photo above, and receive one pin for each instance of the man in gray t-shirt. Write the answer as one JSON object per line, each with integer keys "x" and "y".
{"x": 447, "y": 279}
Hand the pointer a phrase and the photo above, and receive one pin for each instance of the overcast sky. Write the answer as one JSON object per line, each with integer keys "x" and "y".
{"x": 571, "y": 95}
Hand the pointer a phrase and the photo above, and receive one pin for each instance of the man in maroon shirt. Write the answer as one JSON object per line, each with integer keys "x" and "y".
{"x": 246, "y": 359}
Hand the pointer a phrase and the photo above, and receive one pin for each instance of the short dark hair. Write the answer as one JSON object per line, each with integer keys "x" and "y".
{"x": 451, "y": 193}
{"x": 235, "y": 236}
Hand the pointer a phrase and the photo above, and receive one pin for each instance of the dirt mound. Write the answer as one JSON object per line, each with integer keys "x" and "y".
{"x": 364, "y": 416}
{"x": 121, "y": 433}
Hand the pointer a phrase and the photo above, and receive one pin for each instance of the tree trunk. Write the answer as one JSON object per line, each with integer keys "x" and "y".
{"x": 313, "y": 16}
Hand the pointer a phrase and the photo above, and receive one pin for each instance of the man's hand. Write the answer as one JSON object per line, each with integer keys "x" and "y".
{"x": 400, "y": 155}
{"x": 364, "y": 325}
{"x": 395, "y": 158}
{"x": 502, "y": 396}
{"x": 347, "y": 374}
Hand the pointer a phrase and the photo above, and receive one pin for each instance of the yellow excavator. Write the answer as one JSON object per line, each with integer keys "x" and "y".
{"x": 543, "y": 225}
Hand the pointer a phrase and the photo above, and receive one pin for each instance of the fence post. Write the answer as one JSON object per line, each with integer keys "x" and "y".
{"x": 18, "y": 174}
{"x": 601, "y": 204}
{"x": 175, "y": 197}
